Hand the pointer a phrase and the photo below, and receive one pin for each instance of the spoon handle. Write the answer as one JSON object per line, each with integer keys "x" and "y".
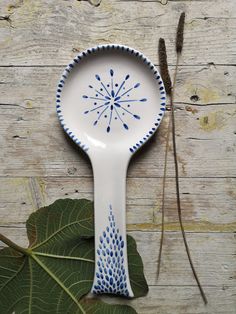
{"x": 111, "y": 263}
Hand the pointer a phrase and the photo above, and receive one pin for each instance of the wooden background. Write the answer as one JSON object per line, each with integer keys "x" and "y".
{"x": 39, "y": 164}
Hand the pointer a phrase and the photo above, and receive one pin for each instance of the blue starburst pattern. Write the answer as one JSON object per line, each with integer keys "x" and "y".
{"x": 99, "y": 49}
{"x": 112, "y": 101}
{"x": 111, "y": 276}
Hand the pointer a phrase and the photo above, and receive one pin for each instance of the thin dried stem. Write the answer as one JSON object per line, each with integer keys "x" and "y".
{"x": 179, "y": 48}
{"x": 163, "y": 200}
{"x": 170, "y": 92}
{"x": 179, "y": 203}
{"x": 168, "y": 86}
{"x": 175, "y": 73}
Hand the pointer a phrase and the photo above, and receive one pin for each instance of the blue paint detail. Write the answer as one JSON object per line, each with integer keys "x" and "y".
{"x": 116, "y": 98}
{"x": 112, "y": 277}
{"x": 108, "y": 47}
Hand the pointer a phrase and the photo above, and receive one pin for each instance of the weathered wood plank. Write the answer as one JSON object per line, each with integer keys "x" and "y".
{"x": 176, "y": 291}
{"x": 36, "y": 31}
{"x": 185, "y": 299}
{"x": 205, "y": 133}
{"x": 36, "y": 153}
{"x": 196, "y": 85}
{"x": 207, "y": 204}
{"x": 214, "y": 260}
{"x": 213, "y": 254}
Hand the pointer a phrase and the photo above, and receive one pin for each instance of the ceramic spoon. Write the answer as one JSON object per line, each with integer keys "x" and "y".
{"x": 110, "y": 101}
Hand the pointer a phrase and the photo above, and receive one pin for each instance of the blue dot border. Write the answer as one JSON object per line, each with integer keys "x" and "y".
{"x": 89, "y": 51}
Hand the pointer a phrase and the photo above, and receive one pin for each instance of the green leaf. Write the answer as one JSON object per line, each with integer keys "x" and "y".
{"x": 137, "y": 279}
{"x": 55, "y": 272}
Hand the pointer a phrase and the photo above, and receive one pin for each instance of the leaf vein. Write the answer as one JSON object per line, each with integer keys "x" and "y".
{"x": 61, "y": 230}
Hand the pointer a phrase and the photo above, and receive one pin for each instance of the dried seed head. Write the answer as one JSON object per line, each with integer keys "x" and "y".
{"x": 180, "y": 33}
{"x": 164, "y": 66}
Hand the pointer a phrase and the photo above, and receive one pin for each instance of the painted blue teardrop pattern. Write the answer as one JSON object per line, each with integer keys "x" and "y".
{"x": 112, "y": 100}
{"x": 111, "y": 276}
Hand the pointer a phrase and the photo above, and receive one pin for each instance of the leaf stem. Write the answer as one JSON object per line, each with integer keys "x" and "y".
{"x": 13, "y": 245}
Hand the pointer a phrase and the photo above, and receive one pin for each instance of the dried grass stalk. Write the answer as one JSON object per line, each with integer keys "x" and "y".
{"x": 170, "y": 92}
{"x": 164, "y": 66}
{"x": 180, "y": 34}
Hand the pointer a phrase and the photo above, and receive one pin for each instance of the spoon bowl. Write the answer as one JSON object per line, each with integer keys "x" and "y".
{"x": 110, "y": 101}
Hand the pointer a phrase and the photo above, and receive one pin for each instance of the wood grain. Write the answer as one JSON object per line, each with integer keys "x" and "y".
{"x": 205, "y": 117}
{"x": 43, "y": 32}
{"x": 176, "y": 292}
{"x": 208, "y": 204}
{"x": 185, "y": 299}
{"x": 39, "y": 164}
{"x": 205, "y": 247}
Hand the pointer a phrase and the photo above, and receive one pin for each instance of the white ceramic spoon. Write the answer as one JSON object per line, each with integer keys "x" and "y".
{"x": 110, "y": 101}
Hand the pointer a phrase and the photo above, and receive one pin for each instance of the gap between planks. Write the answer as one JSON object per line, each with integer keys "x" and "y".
{"x": 130, "y": 231}
{"x": 69, "y": 59}
{"x": 91, "y": 177}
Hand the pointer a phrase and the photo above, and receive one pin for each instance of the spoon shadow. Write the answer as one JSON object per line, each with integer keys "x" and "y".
{"x": 76, "y": 148}
{"x": 140, "y": 154}
{"x": 144, "y": 150}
